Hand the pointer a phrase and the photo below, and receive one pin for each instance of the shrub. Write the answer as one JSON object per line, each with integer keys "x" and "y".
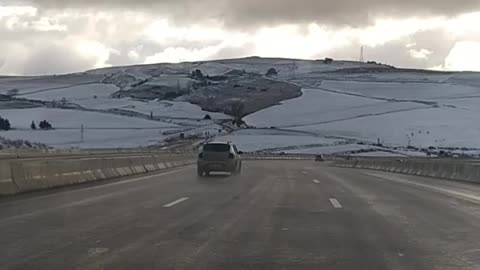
{"x": 197, "y": 74}
{"x": 12, "y": 92}
{"x": 171, "y": 95}
{"x": 4, "y": 124}
{"x": 45, "y": 125}
{"x": 272, "y": 72}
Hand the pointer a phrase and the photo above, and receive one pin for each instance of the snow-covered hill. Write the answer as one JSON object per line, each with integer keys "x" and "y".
{"x": 311, "y": 106}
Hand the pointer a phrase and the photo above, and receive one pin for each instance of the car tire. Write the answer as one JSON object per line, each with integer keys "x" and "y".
{"x": 200, "y": 172}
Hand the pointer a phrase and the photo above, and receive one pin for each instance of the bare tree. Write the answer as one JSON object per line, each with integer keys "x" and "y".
{"x": 237, "y": 111}
{"x": 12, "y": 92}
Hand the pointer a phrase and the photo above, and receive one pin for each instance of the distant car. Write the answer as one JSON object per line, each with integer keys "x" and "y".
{"x": 319, "y": 158}
{"x": 219, "y": 157}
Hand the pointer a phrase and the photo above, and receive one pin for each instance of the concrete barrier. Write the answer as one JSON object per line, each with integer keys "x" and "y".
{"x": 454, "y": 170}
{"x": 27, "y": 175}
{"x": 7, "y": 186}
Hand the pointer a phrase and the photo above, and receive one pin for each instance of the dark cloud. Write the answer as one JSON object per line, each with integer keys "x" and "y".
{"x": 245, "y": 13}
{"x": 25, "y": 49}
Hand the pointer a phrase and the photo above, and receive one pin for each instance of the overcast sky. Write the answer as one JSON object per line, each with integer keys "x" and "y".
{"x": 60, "y": 36}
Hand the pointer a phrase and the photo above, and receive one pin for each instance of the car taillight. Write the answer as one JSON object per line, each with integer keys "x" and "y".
{"x": 200, "y": 155}
{"x": 231, "y": 156}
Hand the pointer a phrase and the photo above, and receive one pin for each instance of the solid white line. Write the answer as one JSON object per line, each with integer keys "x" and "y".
{"x": 316, "y": 181}
{"x": 439, "y": 189}
{"x": 168, "y": 205}
{"x": 335, "y": 203}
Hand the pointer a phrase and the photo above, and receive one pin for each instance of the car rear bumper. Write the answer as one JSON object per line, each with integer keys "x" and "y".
{"x": 216, "y": 166}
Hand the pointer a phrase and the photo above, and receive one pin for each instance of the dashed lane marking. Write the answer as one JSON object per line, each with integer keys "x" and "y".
{"x": 168, "y": 205}
{"x": 335, "y": 203}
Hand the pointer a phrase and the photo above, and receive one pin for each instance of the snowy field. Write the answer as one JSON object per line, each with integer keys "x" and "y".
{"x": 26, "y": 85}
{"x": 332, "y": 149}
{"x": 438, "y": 127}
{"x": 316, "y": 106}
{"x": 75, "y": 93}
{"x": 101, "y": 130}
{"x": 173, "y": 109}
{"x": 405, "y": 91}
{"x": 93, "y": 138}
{"x": 345, "y": 107}
{"x": 61, "y": 118}
{"x": 394, "y": 123}
{"x": 265, "y": 140}
{"x": 287, "y": 68}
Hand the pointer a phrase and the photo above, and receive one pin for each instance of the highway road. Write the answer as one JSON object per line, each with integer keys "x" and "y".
{"x": 276, "y": 215}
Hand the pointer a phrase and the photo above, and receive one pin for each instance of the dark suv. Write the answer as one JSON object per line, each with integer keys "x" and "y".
{"x": 219, "y": 157}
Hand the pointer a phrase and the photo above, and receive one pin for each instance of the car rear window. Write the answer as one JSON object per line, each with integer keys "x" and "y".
{"x": 218, "y": 147}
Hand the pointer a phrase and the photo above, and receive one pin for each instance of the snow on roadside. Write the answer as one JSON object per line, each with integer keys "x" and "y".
{"x": 333, "y": 149}
{"x": 93, "y": 138}
{"x": 378, "y": 154}
{"x": 20, "y": 144}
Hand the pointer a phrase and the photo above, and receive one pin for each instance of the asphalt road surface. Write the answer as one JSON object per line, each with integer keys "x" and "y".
{"x": 276, "y": 215}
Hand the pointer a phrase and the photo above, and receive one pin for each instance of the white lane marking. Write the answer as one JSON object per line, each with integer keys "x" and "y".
{"x": 335, "y": 203}
{"x": 101, "y": 186}
{"x": 83, "y": 201}
{"x": 168, "y": 205}
{"x": 439, "y": 189}
{"x": 96, "y": 251}
{"x": 6, "y": 180}
{"x": 316, "y": 181}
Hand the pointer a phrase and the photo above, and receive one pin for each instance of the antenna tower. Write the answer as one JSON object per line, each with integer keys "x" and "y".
{"x": 362, "y": 58}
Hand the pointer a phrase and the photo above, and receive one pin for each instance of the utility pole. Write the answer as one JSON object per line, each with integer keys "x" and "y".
{"x": 293, "y": 68}
{"x": 82, "y": 133}
{"x": 362, "y": 58}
